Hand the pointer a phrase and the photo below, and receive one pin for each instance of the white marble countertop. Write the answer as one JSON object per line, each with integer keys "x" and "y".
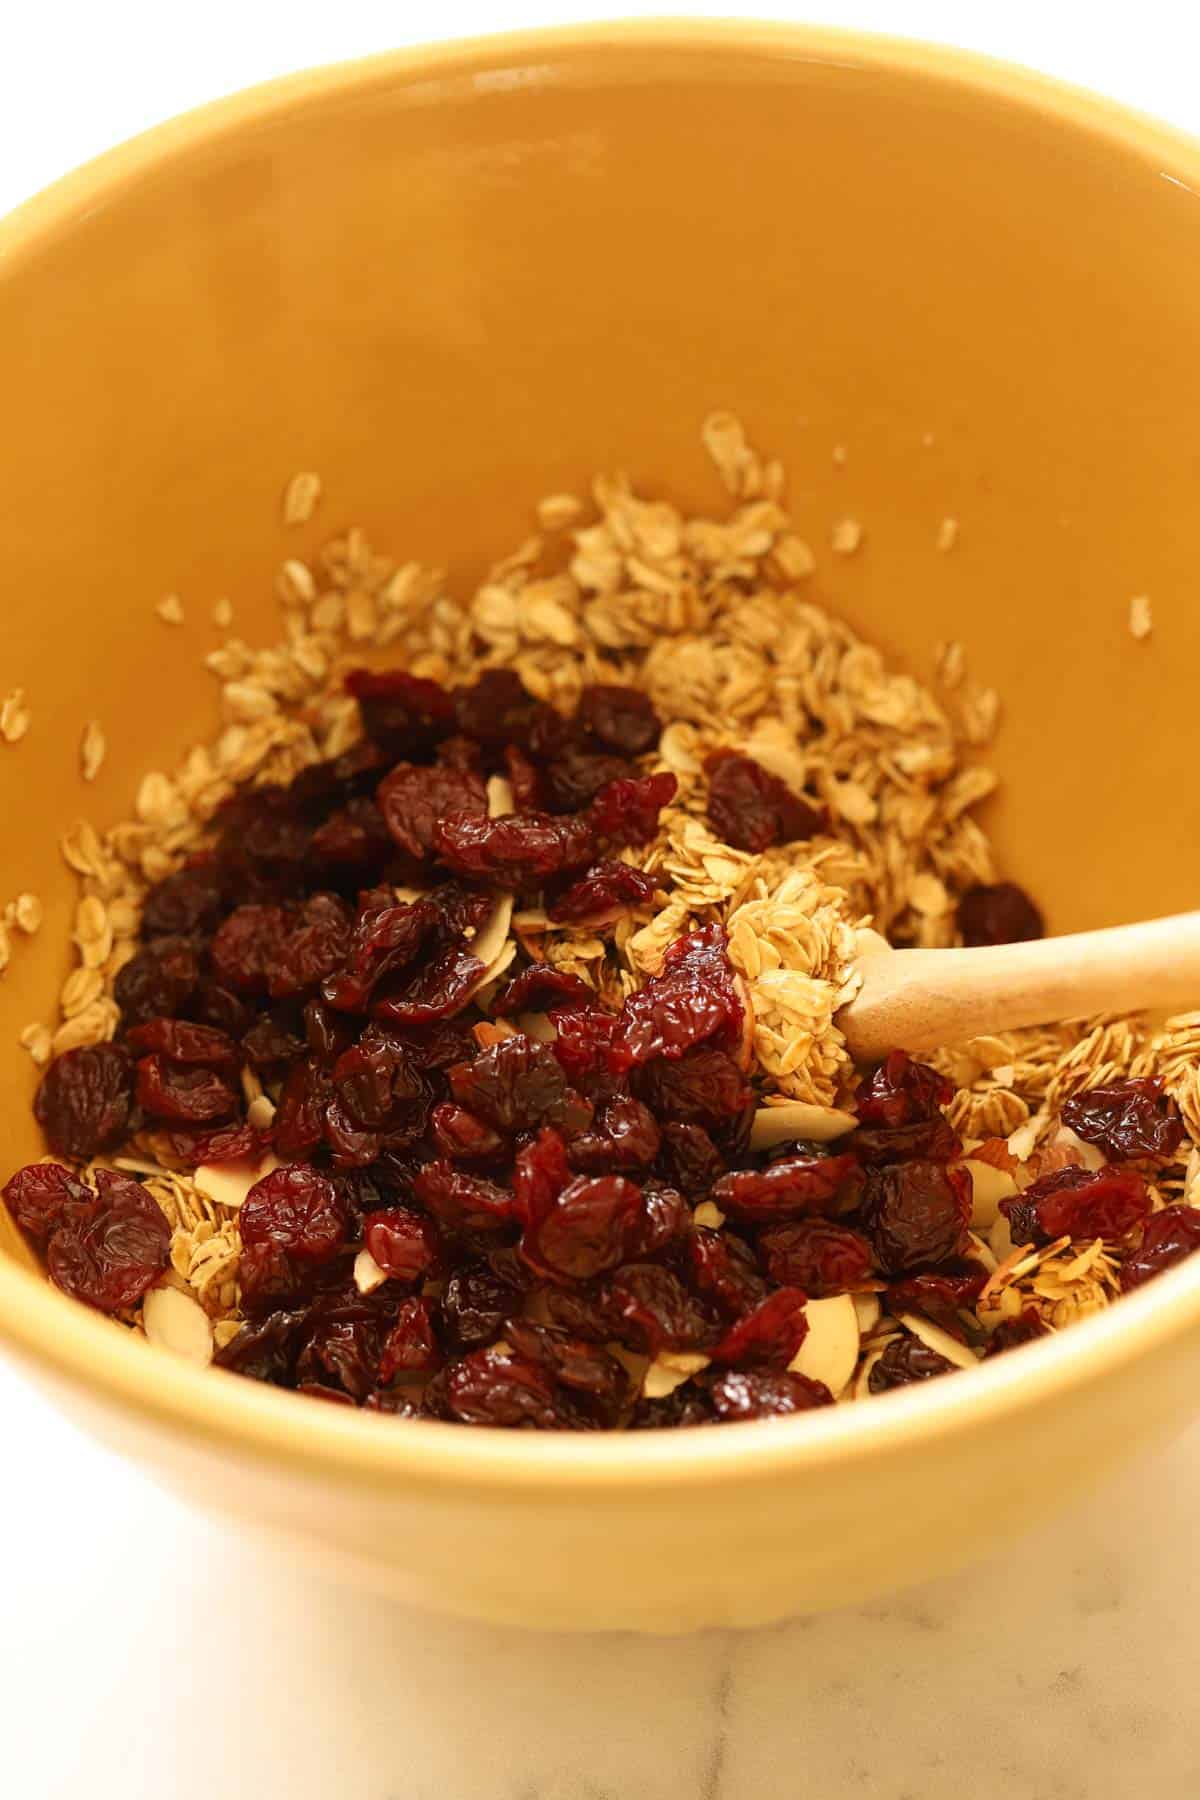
{"x": 148, "y": 1652}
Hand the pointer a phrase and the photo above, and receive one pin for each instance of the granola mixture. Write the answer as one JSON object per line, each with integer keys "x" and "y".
{"x": 460, "y": 1038}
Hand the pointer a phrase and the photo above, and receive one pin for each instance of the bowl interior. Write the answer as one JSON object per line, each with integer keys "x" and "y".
{"x": 454, "y": 285}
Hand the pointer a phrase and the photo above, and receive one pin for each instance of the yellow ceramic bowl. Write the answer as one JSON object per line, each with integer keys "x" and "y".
{"x": 455, "y": 280}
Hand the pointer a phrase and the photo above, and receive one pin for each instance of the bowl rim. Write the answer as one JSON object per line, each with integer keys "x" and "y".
{"x": 56, "y": 1336}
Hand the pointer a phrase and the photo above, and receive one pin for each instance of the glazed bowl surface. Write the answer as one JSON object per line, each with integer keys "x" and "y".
{"x": 455, "y": 280}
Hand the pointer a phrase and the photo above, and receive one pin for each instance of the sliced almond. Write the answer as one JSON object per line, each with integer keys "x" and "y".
{"x": 936, "y": 1339}
{"x": 980, "y": 1250}
{"x": 1085, "y": 1154}
{"x": 830, "y": 1349}
{"x": 746, "y": 1047}
{"x": 999, "y": 1238}
{"x": 367, "y": 1273}
{"x": 176, "y": 1322}
{"x": 228, "y": 1183}
{"x": 261, "y": 1112}
{"x": 492, "y": 935}
{"x": 500, "y": 800}
{"x": 797, "y": 1119}
{"x": 708, "y": 1213}
{"x": 862, "y": 1381}
{"x": 866, "y": 1310}
{"x": 538, "y": 1026}
{"x": 989, "y": 1186}
{"x": 669, "y": 1370}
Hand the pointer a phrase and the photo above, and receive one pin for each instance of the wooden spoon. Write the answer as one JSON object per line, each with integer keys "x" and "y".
{"x": 920, "y": 999}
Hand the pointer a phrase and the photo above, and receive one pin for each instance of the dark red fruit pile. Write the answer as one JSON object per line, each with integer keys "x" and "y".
{"x": 519, "y": 1210}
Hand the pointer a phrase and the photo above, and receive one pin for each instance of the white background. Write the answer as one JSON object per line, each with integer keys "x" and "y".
{"x": 145, "y": 1652}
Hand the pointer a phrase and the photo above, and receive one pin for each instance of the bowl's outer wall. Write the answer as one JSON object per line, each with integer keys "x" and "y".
{"x": 454, "y": 284}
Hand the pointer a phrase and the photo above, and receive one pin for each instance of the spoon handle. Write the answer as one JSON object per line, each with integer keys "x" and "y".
{"x": 918, "y": 999}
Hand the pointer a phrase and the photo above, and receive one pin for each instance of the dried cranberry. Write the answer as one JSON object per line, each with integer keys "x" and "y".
{"x": 490, "y": 1387}
{"x": 497, "y": 710}
{"x": 295, "y": 1209}
{"x": 736, "y": 1396}
{"x": 354, "y": 841}
{"x": 40, "y": 1195}
{"x": 158, "y": 982}
{"x": 538, "y": 988}
{"x": 581, "y": 1311}
{"x": 704, "y": 1087}
{"x": 313, "y": 946}
{"x": 515, "y": 851}
{"x": 791, "y": 1189}
{"x": 901, "y": 1092}
{"x": 649, "y": 1309}
{"x": 217, "y": 1006}
{"x": 477, "y": 1304}
{"x": 351, "y": 1146}
{"x": 300, "y": 1115}
{"x": 584, "y": 1039}
{"x": 1013, "y": 1332}
{"x": 517, "y": 1085}
{"x": 1126, "y": 1118}
{"x": 621, "y": 718}
{"x": 245, "y": 947}
{"x": 904, "y": 1361}
{"x": 724, "y": 1268}
{"x": 381, "y": 1088}
{"x": 261, "y": 836}
{"x": 690, "y": 1158}
{"x": 608, "y": 890}
{"x": 109, "y": 1251}
{"x": 462, "y": 1137}
{"x": 916, "y": 1214}
{"x": 384, "y": 939}
{"x": 587, "y": 1229}
{"x": 404, "y": 1244}
{"x": 437, "y": 991}
{"x": 623, "y": 1135}
{"x": 84, "y": 1100}
{"x": 524, "y": 780}
{"x": 266, "y": 1348}
{"x": 572, "y": 1361}
{"x": 345, "y": 1334}
{"x": 404, "y": 714}
{"x": 395, "y": 1402}
{"x": 317, "y": 790}
{"x": 1169, "y": 1236}
{"x": 574, "y": 777}
{"x": 274, "y": 1042}
{"x": 937, "y": 1296}
{"x": 1078, "y": 1203}
{"x": 1003, "y": 914}
{"x": 925, "y": 1140}
{"x": 463, "y": 1202}
{"x": 326, "y": 1035}
{"x": 687, "y": 1405}
{"x": 540, "y": 1174}
{"x": 413, "y": 799}
{"x": 228, "y": 1143}
{"x": 187, "y": 1096}
{"x": 752, "y": 809}
{"x": 818, "y": 1256}
{"x": 692, "y": 1001}
{"x": 626, "y": 811}
{"x": 187, "y": 902}
{"x": 192, "y": 1046}
{"x": 665, "y": 1221}
{"x": 411, "y": 1346}
{"x": 769, "y": 1334}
